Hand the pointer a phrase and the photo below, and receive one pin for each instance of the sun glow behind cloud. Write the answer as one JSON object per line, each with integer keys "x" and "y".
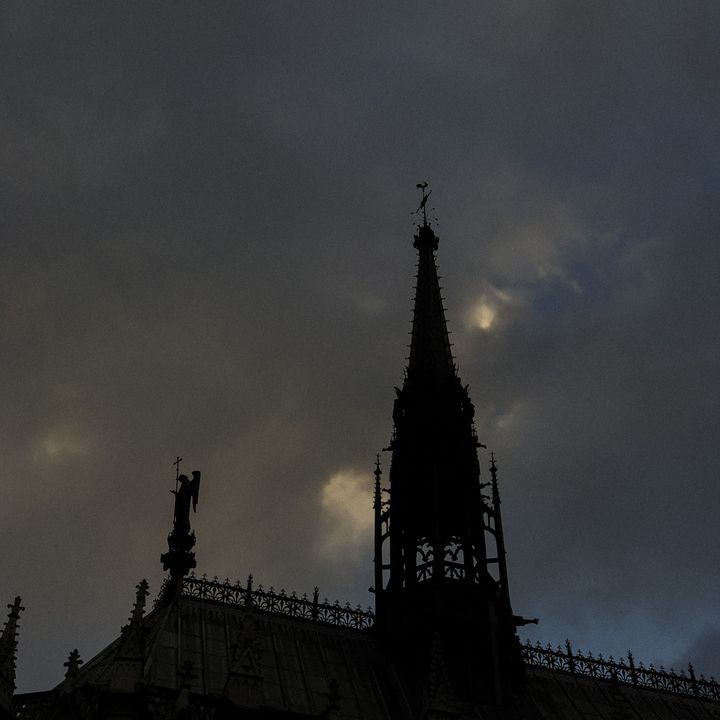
{"x": 347, "y": 509}
{"x": 61, "y": 443}
{"x": 486, "y": 313}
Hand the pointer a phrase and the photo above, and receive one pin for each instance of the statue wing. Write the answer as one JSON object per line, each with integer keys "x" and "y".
{"x": 195, "y": 488}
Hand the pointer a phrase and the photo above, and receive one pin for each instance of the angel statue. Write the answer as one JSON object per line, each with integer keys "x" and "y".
{"x": 187, "y": 491}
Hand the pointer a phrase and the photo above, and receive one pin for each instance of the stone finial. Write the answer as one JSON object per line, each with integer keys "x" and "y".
{"x": 73, "y": 664}
{"x": 127, "y": 665}
{"x": 140, "y": 598}
{"x": 249, "y": 591}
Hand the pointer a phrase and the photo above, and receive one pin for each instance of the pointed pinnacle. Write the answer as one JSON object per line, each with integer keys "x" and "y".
{"x": 73, "y": 664}
{"x": 140, "y": 597}
{"x": 8, "y": 641}
{"x": 377, "y": 494}
{"x": 9, "y": 632}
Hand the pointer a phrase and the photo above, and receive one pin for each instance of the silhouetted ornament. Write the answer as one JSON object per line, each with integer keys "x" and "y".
{"x": 143, "y": 591}
{"x": 180, "y": 559}
{"x": 72, "y": 664}
{"x": 8, "y": 649}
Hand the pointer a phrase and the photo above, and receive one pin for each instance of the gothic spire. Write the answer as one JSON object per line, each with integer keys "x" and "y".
{"x": 8, "y": 647}
{"x": 378, "y": 511}
{"x": 127, "y": 668}
{"x": 498, "y": 532}
{"x": 433, "y": 574}
{"x": 434, "y": 471}
{"x": 142, "y": 591}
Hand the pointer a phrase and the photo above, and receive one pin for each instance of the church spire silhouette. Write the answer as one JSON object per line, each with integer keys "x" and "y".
{"x": 8, "y": 649}
{"x": 437, "y": 589}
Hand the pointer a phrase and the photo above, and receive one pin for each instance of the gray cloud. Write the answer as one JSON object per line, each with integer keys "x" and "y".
{"x": 207, "y": 251}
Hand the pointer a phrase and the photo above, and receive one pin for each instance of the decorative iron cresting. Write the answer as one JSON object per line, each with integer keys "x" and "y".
{"x": 624, "y": 672}
{"x": 278, "y": 603}
{"x": 567, "y": 660}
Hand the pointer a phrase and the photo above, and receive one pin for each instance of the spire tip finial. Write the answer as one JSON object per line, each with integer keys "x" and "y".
{"x": 423, "y": 202}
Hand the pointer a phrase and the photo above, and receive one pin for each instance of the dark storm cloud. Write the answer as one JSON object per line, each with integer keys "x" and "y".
{"x": 207, "y": 251}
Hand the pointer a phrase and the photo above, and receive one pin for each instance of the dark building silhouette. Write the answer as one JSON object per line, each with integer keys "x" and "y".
{"x": 441, "y": 643}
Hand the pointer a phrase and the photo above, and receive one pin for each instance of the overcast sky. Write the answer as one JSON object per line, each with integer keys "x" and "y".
{"x": 207, "y": 252}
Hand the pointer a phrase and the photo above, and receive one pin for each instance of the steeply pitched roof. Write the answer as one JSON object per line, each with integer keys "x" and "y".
{"x": 212, "y": 646}
{"x": 253, "y": 658}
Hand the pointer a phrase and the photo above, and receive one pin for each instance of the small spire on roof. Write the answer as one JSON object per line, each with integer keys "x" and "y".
{"x": 494, "y": 481}
{"x": 73, "y": 664}
{"x": 378, "y": 474}
{"x": 140, "y": 597}
{"x": 8, "y": 647}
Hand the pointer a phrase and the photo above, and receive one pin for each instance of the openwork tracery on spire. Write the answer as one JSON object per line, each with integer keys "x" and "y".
{"x": 432, "y": 524}
{"x": 432, "y": 566}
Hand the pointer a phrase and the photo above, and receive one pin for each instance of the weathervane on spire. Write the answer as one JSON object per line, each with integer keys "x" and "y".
{"x": 423, "y": 202}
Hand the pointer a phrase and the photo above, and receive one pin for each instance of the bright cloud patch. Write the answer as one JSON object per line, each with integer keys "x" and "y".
{"x": 487, "y": 311}
{"x": 61, "y": 443}
{"x": 484, "y": 315}
{"x": 508, "y": 420}
{"x": 347, "y": 508}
